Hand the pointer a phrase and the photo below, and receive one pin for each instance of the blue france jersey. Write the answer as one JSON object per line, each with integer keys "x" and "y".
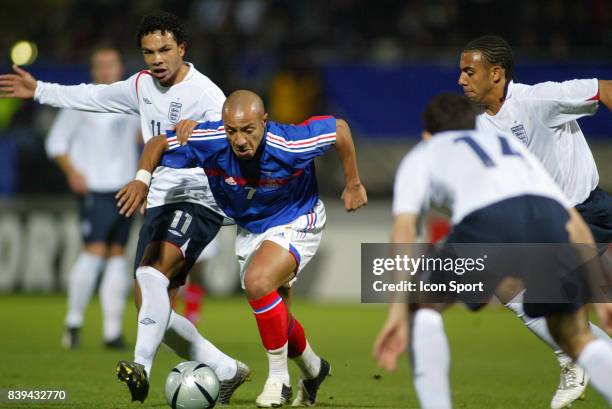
{"x": 275, "y": 187}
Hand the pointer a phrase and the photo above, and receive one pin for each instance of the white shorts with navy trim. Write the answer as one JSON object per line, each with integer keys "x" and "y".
{"x": 301, "y": 238}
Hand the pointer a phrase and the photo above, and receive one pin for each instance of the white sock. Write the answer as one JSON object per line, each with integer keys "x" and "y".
{"x": 184, "y": 339}
{"x": 81, "y": 285}
{"x": 536, "y": 325}
{"x": 539, "y": 327}
{"x": 153, "y": 316}
{"x": 430, "y": 360}
{"x": 309, "y": 362}
{"x": 277, "y": 361}
{"x": 114, "y": 289}
{"x": 596, "y": 359}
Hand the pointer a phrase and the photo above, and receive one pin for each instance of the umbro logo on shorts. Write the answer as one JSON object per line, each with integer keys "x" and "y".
{"x": 146, "y": 321}
{"x": 175, "y": 232}
{"x": 147, "y": 101}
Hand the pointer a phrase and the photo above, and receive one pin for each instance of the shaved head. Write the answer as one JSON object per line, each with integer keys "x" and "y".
{"x": 243, "y": 103}
{"x": 244, "y": 119}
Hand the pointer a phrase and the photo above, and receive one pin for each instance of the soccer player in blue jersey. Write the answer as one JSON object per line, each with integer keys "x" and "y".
{"x": 262, "y": 174}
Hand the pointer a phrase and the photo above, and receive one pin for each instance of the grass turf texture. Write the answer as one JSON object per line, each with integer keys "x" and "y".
{"x": 496, "y": 363}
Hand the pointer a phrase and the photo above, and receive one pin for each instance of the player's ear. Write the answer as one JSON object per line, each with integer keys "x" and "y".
{"x": 497, "y": 73}
{"x": 181, "y": 49}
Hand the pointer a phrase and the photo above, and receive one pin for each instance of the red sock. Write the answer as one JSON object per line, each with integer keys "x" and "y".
{"x": 297, "y": 338}
{"x": 194, "y": 294}
{"x": 271, "y": 315}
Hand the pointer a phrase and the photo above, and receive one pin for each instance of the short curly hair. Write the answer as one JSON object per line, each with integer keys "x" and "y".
{"x": 496, "y": 51}
{"x": 449, "y": 112}
{"x": 164, "y": 22}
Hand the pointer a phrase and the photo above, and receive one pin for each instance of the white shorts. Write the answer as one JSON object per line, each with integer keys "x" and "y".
{"x": 210, "y": 251}
{"x": 301, "y": 238}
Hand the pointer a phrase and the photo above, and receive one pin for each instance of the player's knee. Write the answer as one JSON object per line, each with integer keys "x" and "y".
{"x": 116, "y": 250}
{"x": 257, "y": 285}
{"x": 97, "y": 248}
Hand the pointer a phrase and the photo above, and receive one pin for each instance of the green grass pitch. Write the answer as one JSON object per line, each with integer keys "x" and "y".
{"x": 496, "y": 363}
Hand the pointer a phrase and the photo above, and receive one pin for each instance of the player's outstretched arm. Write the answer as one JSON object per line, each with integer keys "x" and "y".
{"x": 605, "y": 93}
{"x": 354, "y": 194}
{"x": 134, "y": 194}
{"x": 19, "y": 85}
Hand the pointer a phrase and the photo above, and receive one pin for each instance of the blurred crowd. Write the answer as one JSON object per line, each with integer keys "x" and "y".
{"x": 238, "y": 41}
{"x": 278, "y": 47}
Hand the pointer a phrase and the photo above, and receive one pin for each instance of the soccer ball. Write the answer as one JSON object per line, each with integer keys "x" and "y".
{"x": 192, "y": 385}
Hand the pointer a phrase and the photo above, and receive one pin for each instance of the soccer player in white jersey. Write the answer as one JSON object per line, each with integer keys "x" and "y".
{"x": 96, "y": 168}
{"x": 498, "y": 193}
{"x": 182, "y": 216}
{"x": 543, "y": 117}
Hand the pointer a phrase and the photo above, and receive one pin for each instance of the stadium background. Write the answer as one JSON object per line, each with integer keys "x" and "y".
{"x": 372, "y": 63}
{"x": 374, "y": 66}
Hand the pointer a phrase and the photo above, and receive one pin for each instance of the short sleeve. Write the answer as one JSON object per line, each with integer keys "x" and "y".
{"x": 557, "y": 103}
{"x": 298, "y": 145}
{"x": 411, "y": 185}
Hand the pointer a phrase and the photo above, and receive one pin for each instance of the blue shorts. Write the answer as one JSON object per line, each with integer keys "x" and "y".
{"x": 188, "y": 226}
{"x": 101, "y": 221}
{"x": 596, "y": 211}
{"x": 523, "y": 219}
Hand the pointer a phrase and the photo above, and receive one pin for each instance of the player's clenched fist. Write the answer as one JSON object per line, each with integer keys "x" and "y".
{"x": 19, "y": 85}
{"x": 133, "y": 195}
{"x": 184, "y": 129}
{"x": 354, "y": 197}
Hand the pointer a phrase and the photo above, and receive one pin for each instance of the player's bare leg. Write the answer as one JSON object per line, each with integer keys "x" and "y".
{"x": 573, "y": 334}
{"x": 81, "y": 285}
{"x": 270, "y": 268}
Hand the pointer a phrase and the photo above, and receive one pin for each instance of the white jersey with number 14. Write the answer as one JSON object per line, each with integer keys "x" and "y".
{"x": 467, "y": 171}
